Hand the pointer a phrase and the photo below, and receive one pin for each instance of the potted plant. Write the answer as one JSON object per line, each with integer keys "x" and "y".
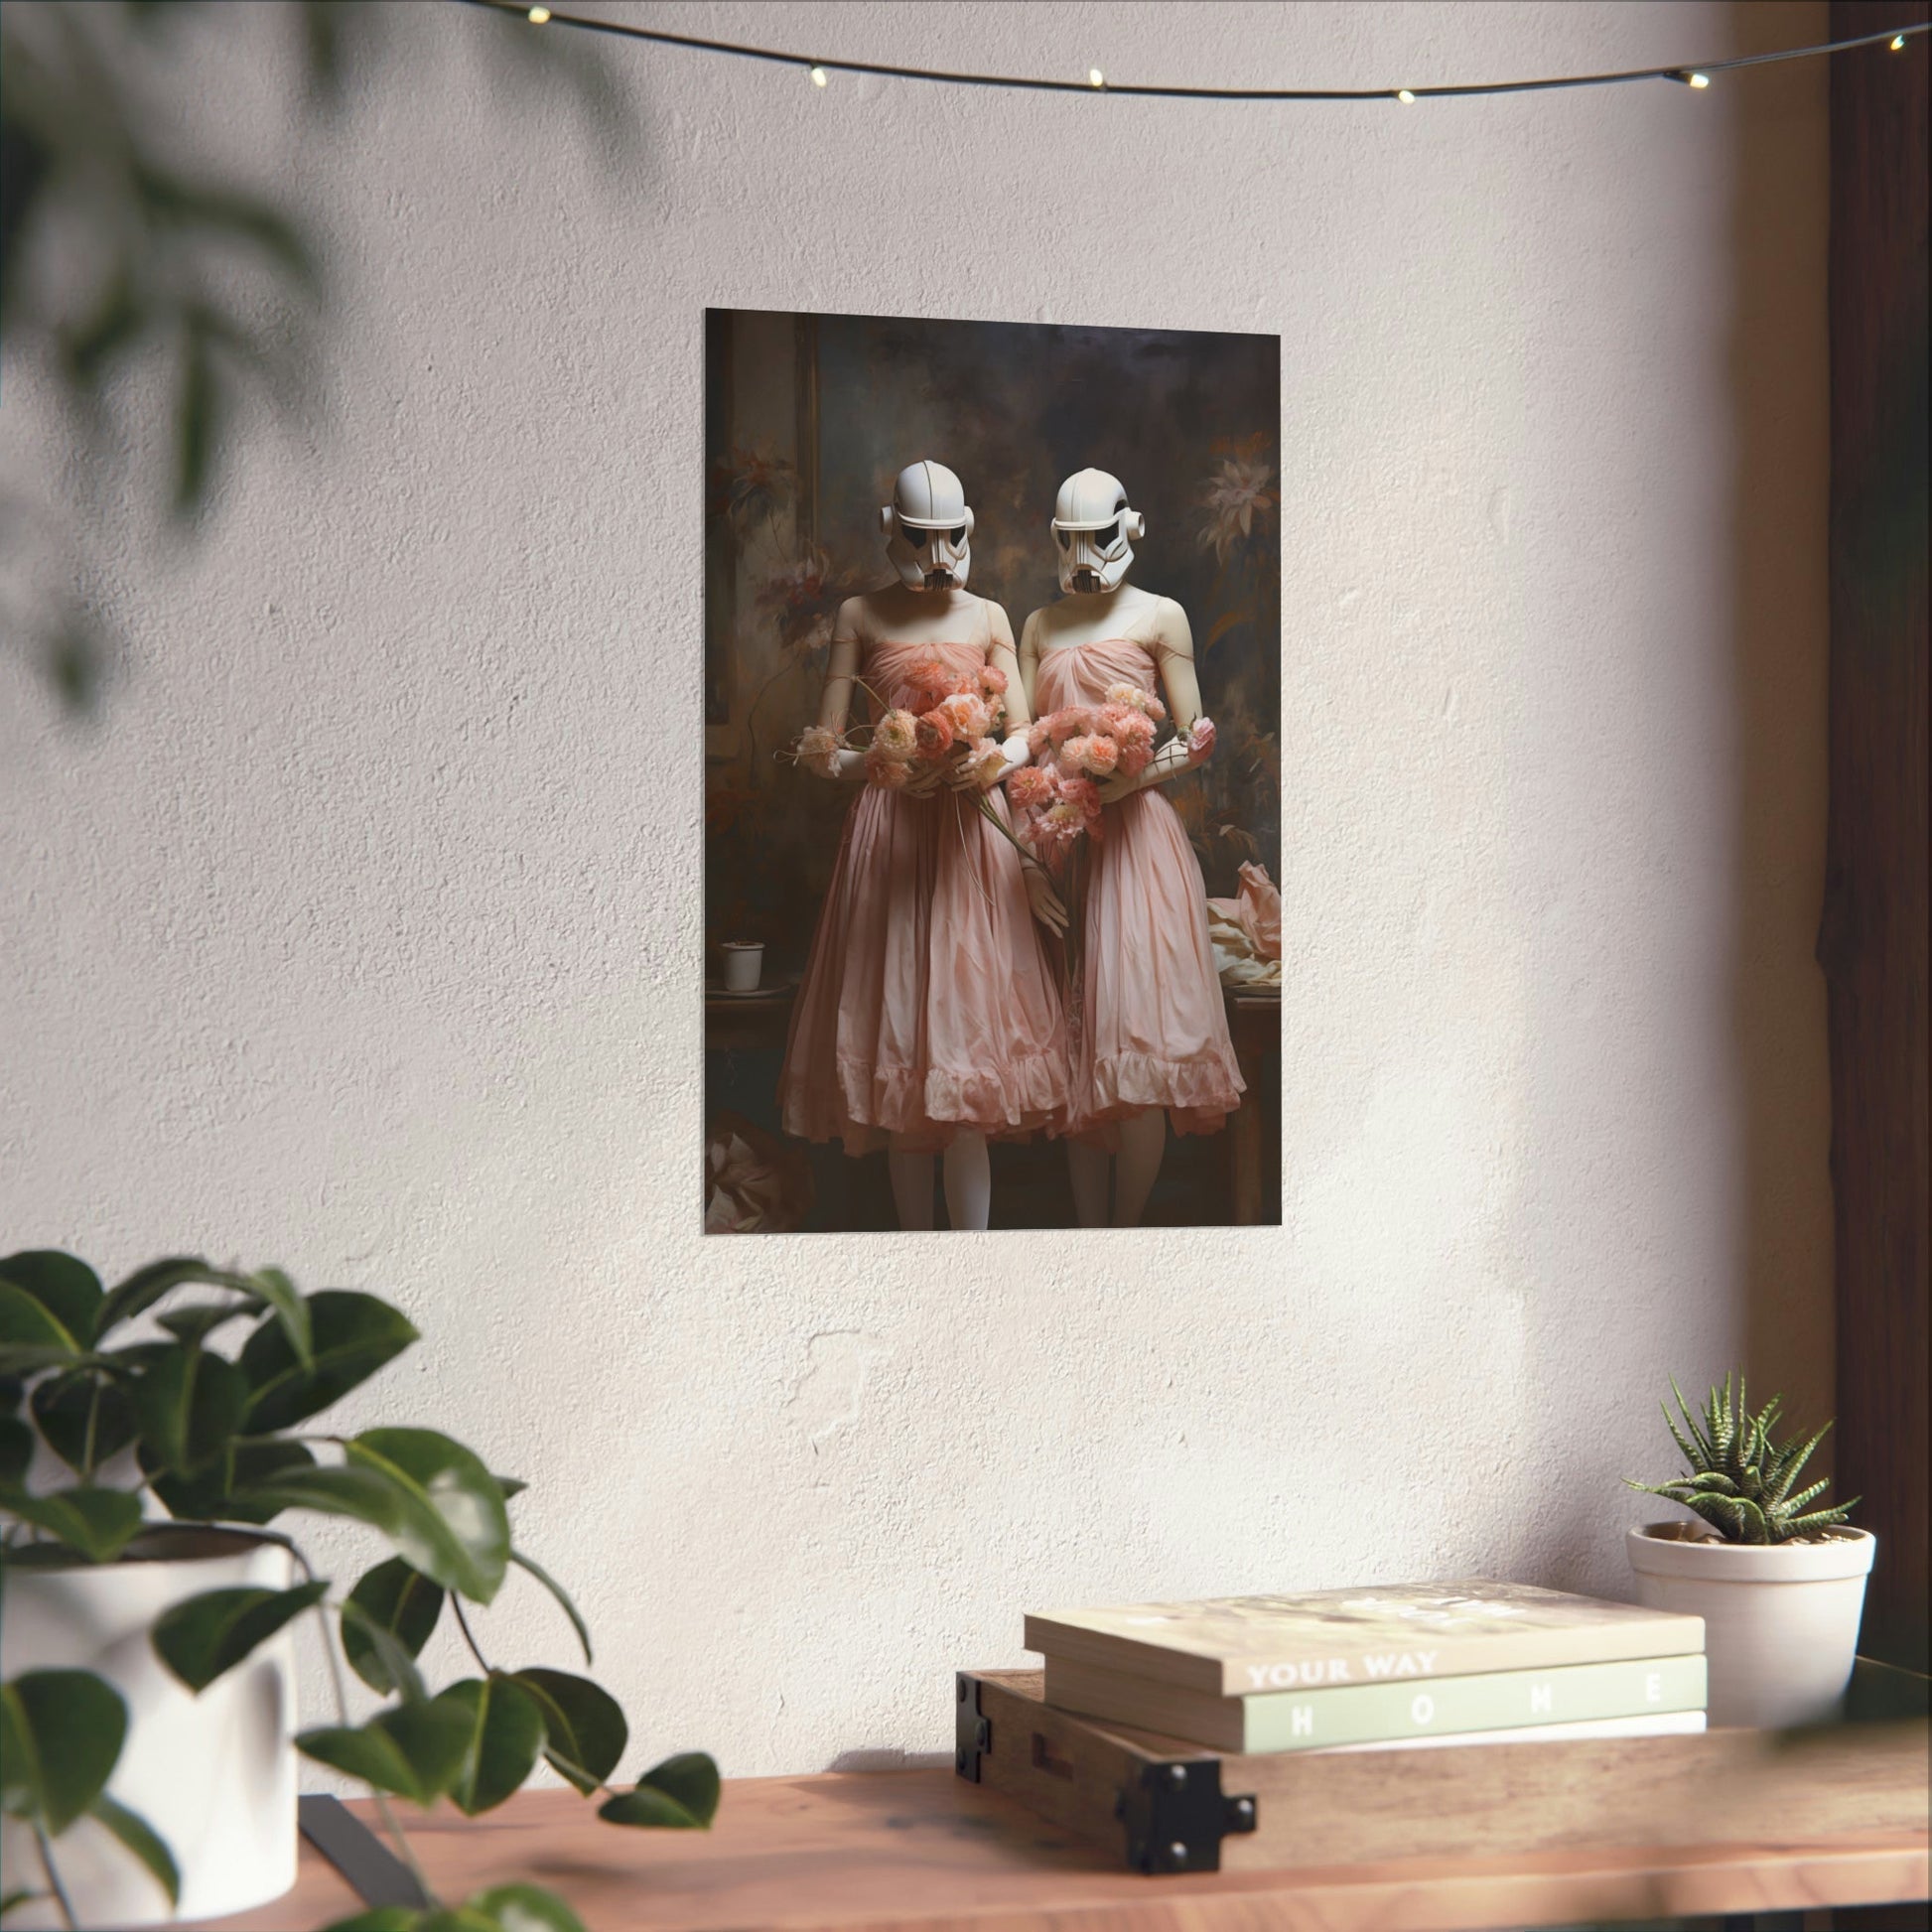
{"x": 148, "y": 1587}
{"x": 1780, "y": 1586}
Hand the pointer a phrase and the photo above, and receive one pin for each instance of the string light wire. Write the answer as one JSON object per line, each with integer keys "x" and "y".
{"x": 1691, "y": 74}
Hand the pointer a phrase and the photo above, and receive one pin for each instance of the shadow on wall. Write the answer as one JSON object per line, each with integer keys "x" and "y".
{"x": 1780, "y": 404}
{"x": 1772, "y": 1102}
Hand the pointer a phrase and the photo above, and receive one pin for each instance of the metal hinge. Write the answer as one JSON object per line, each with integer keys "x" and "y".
{"x": 1177, "y": 1816}
{"x": 972, "y": 1734}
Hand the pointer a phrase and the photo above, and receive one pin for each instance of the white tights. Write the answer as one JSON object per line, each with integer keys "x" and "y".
{"x": 1142, "y": 1141}
{"x": 968, "y": 1180}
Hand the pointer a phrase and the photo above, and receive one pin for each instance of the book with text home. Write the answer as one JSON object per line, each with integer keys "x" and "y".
{"x": 1373, "y": 1713}
{"x": 1236, "y": 1646}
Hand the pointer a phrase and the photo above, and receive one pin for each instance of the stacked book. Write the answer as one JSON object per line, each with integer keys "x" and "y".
{"x": 1375, "y": 1669}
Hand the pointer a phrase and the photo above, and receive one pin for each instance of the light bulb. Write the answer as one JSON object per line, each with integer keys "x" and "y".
{"x": 1095, "y": 79}
{"x": 1700, "y": 80}
{"x": 1404, "y": 97}
{"x": 1898, "y": 43}
{"x": 818, "y": 77}
{"x": 537, "y": 16}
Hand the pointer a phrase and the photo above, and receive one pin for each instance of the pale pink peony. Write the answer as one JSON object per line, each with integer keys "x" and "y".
{"x": 1084, "y": 796}
{"x": 1038, "y": 737}
{"x": 935, "y": 736}
{"x": 1200, "y": 742}
{"x": 986, "y": 761}
{"x": 890, "y": 775}
{"x": 1074, "y": 721}
{"x": 896, "y": 735}
{"x": 818, "y": 751}
{"x": 993, "y": 681}
{"x": 1117, "y": 719}
{"x": 1031, "y": 788}
{"x": 966, "y": 713}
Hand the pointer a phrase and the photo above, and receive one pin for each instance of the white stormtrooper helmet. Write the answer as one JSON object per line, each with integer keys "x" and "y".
{"x": 928, "y": 528}
{"x": 1095, "y": 531}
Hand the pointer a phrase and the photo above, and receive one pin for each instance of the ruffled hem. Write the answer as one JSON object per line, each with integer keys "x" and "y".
{"x": 925, "y": 1108}
{"x": 1198, "y": 1094}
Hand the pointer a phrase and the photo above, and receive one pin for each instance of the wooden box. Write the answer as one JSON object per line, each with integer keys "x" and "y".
{"x": 1164, "y": 1805}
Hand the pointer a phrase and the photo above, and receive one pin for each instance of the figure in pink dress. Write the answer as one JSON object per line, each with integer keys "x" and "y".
{"x": 929, "y": 1015}
{"x": 1148, "y": 1034}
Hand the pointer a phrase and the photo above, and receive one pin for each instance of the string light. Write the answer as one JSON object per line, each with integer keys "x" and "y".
{"x": 1697, "y": 77}
{"x": 818, "y": 77}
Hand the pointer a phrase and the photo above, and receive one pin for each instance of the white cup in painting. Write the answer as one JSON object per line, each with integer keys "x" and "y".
{"x": 743, "y": 961}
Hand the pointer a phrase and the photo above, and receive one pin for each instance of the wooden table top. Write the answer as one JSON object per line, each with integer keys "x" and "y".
{"x": 927, "y": 1851}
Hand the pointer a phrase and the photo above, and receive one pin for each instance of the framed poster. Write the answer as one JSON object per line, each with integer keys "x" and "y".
{"x": 992, "y": 775}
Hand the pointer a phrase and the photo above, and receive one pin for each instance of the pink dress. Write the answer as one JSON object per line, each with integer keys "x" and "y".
{"x": 928, "y": 1004}
{"x": 1149, "y": 1029}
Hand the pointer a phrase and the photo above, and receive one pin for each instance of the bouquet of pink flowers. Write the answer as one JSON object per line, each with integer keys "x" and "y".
{"x": 1055, "y": 800}
{"x": 947, "y": 715}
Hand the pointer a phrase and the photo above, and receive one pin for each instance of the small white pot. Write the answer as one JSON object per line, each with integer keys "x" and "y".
{"x": 214, "y": 1774}
{"x": 1780, "y": 1620}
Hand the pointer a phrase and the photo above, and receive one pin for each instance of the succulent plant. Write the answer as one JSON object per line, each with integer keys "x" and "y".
{"x": 1740, "y": 1481}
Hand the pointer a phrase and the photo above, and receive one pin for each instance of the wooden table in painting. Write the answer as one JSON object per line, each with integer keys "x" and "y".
{"x": 927, "y": 1851}
{"x": 1255, "y": 1024}
{"x": 736, "y": 1022}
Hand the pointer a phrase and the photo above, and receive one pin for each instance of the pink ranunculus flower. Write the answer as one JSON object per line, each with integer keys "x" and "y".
{"x": 966, "y": 713}
{"x": 935, "y": 736}
{"x": 1200, "y": 742}
{"x": 993, "y": 681}
{"x": 1074, "y": 721}
{"x": 1038, "y": 737}
{"x": 1031, "y": 788}
{"x": 1099, "y": 756}
{"x": 897, "y": 735}
{"x": 1117, "y": 719}
{"x": 1084, "y": 796}
{"x": 890, "y": 775}
{"x": 818, "y": 751}
{"x": 986, "y": 761}
{"x": 1135, "y": 758}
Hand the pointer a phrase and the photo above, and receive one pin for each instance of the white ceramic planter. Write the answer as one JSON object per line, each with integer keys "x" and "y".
{"x": 214, "y": 1774}
{"x": 1780, "y": 1621}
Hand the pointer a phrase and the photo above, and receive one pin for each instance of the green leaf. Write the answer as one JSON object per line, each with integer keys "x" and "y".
{"x": 557, "y": 1590}
{"x": 512, "y": 1486}
{"x": 275, "y": 1288}
{"x": 13, "y": 1901}
{"x": 61, "y": 1735}
{"x": 680, "y": 1794}
{"x": 506, "y": 1733}
{"x": 220, "y": 1493}
{"x": 142, "y": 1839}
{"x": 400, "y": 1601}
{"x": 449, "y": 1489}
{"x": 190, "y": 1404}
{"x": 354, "y": 1336}
{"x": 31, "y": 1335}
{"x": 12, "y": 1389}
{"x": 192, "y": 1325}
{"x": 85, "y": 1416}
{"x": 69, "y": 1290}
{"x": 584, "y": 1727}
{"x": 202, "y": 1637}
{"x": 456, "y": 1918}
{"x": 415, "y": 1751}
{"x": 146, "y": 1286}
{"x": 98, "y": 1523}
{"x": 525, "y": 1908}
{"x": 405, "y": 1680}
{"x": 16, "y": 1451}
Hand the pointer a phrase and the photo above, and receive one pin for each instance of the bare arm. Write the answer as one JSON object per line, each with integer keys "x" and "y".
{"x": 1030, "y": 662}
{"x": 835, "y": 705}
{"x": 1174, "y": 646}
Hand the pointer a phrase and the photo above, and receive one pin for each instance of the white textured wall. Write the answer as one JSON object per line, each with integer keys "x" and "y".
{"x": 361, "y": 931}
